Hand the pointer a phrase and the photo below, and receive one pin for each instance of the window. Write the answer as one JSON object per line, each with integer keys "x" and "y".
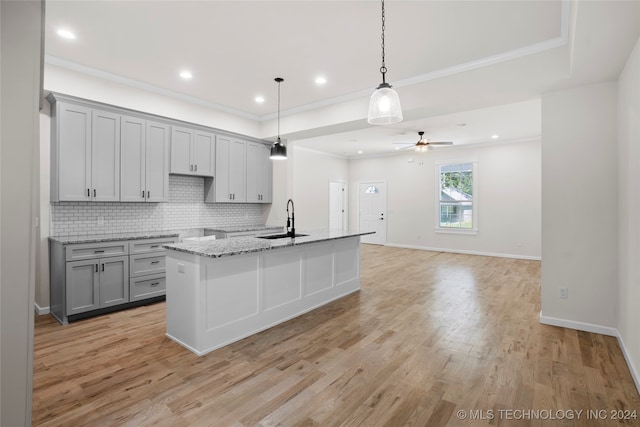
{"x": 456, "y": 197}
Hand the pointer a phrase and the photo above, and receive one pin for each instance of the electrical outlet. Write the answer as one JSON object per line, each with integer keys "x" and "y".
{"x": 180, "y": 267}
{"x": 100, "y": 220}
{"x": 564, "y": 293}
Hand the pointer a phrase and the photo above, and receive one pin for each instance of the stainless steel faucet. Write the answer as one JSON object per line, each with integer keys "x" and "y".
{"x": 291, "y": 220}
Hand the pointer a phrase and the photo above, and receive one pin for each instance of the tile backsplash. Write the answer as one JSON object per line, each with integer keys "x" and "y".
{"x": 185, "y": 209}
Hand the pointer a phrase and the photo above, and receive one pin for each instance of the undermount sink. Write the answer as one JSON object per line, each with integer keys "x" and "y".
{"x": 280, "y": 236}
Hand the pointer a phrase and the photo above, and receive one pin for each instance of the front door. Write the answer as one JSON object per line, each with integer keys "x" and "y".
{"x": 373, "y": 211}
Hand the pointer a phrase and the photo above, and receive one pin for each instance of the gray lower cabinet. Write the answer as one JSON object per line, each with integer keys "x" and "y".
{"x": 85, "y": 277}
{"x": 97, "y": 283}
{"x": 147, "y": 268}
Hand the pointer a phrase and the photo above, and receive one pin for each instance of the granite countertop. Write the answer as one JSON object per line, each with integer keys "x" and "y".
{"x": 243, "y": 245}
{"x": 97, "y": 238}
{"x": 241, "y": 228}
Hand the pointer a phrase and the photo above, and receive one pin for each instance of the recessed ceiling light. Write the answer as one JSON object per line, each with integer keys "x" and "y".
{"x": 259, "y": 99}
{"x": 186, "y": 74}
{"x": 397, "y": 148}
{"x": 320, "y": 80}
{"x": 360, "y": 151}
{"x": 495, "y": 136}
{"x": 66, "y": 34}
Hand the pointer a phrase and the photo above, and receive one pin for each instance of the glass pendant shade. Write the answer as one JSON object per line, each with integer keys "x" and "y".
{"x": 278, "y": 151}
{"x": 384, "y": 106}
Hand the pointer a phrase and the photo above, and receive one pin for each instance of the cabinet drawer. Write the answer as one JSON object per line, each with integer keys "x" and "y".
{"x": 96, "y": 250}
{"x": 147, "y": 287}
{"x": 150, "y": 245}
{"x": 151, "y": 263}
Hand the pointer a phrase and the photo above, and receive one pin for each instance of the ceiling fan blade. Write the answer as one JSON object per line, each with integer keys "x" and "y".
{"x": 440, "y": 142}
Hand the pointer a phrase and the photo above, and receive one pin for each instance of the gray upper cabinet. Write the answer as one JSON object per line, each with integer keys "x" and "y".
{"x": 230, "y": 182}
{"x": 85, "y": 154}
{"x": 259, "y": 173}
{"x": 144, "y": 161}
{"x": 192, "y": 152}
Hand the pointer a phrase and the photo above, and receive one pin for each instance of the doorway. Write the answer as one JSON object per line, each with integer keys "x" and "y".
{"x": 337, "y": 205}
{"x": 372, "y": 211}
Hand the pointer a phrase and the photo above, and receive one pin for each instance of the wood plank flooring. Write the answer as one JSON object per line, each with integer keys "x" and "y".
{"x": 430, "y": 334}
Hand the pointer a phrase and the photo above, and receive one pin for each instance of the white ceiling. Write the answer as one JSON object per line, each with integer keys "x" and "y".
{"x": 483, "y": 63}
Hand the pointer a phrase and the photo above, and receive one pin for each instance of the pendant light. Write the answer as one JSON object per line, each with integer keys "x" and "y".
{"x": 278, "y": 149}
{"x": 384, "y": 105}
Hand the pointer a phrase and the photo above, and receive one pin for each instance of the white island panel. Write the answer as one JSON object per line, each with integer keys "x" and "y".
{"x": 281, "y": 275}
{"x": 347, "y": 259}
{"x": 231, "y": 290}
{"x": 319, "y": 263}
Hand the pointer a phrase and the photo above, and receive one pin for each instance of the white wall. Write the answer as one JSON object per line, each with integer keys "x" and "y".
{"x": 629, "y": 210}
{"x": 20, "y": 69}
{"x": 579, "y": 207}
{"x": 312, "y": 172}
{"x": 57, "y": 79}
{"x": 508, "y": 198}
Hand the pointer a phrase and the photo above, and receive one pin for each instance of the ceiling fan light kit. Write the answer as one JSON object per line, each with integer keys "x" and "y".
{"x": 384, "y": 105}
{"x": 278, "y": 149}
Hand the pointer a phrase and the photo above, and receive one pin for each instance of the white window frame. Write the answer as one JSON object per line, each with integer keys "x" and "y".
{"x": 474, "y": 218}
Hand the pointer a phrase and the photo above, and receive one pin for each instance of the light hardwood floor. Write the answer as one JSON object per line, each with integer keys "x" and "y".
{"x": 429, "y": 334}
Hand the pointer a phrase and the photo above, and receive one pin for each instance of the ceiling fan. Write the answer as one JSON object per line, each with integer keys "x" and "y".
{"x": 423, "y": 144}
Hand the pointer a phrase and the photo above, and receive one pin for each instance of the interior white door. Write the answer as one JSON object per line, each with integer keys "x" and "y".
{"x": 337, "y": 205}
{"x": 372, "y": 207}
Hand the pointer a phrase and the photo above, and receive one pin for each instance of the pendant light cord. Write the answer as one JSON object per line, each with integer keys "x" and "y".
{"x": 278, "y": 111}
{"x": 383, "y": 69}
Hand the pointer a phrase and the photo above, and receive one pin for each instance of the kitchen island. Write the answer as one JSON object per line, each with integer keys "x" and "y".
{"x": 221, "y": 291}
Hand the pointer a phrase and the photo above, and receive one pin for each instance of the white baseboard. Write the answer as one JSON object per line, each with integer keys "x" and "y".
{"x": 459, "y": 251}
{"x": 632, "y": 368}
{"x": 41, "y": 310}
{"x": 580, "y": 326}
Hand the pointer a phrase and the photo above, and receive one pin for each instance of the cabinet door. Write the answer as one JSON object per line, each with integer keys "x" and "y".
{"x": 237, "y": 171}
{"x": 253, "y": 172}
{"x": 221, "y": 181}
{"x": 266, "y": 170}
{"x": 204, "y": 151}
{"x": 157, "y": 162}
{"x": 105, "y": 157}
{"x": 114, "y": 280}
{"x": 82, "y": 286}
{"x": 71, "y": 167}
{"x": 132, "y": 160}
{"x": 181, "y": 151}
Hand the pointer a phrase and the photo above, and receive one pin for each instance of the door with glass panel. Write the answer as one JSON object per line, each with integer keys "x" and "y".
{"x": 372, "y": 211}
